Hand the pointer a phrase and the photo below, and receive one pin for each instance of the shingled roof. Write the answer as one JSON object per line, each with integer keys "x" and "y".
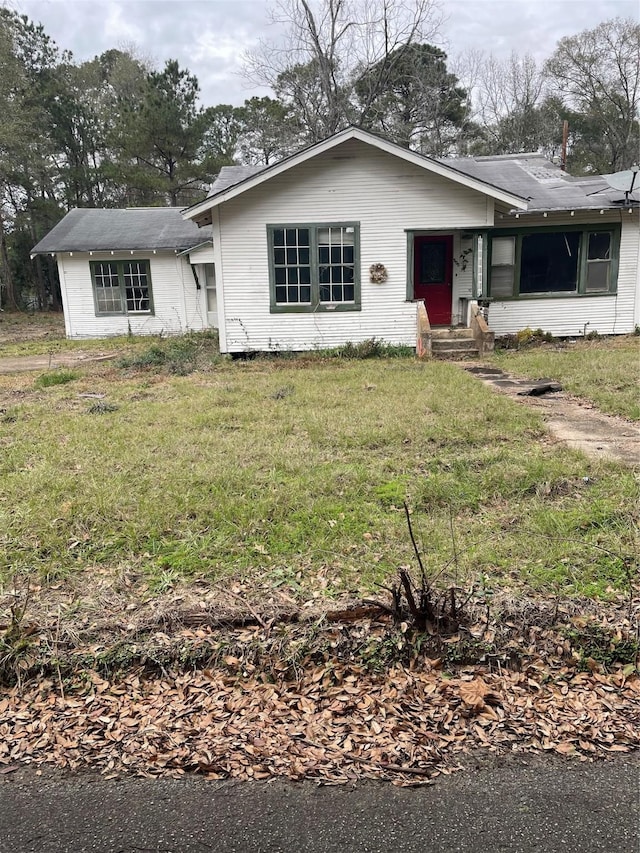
{"x": 531, "y": 176}
{"x": 229, "y": 176}
{"x": 133, "y": 228}
{"x": 545, "y": 186}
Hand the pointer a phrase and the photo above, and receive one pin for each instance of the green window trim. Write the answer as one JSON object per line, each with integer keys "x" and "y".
{"x": 582, "y": 288}
{"x": 315, "y": 305}
{"x": 117, "y": 290}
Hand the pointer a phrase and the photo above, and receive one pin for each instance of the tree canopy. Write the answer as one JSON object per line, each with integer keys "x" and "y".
{"x": 116, "y": 131}
{"x": 596, "y": 74}
{"x": 411, "y": 97}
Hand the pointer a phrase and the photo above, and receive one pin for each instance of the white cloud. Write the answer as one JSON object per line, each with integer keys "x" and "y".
{"x": 118, "y": 27}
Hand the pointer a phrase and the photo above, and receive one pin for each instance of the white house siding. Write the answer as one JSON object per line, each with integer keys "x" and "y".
{"x": 351, "y": 183}
{"x": 202, "y": 255}
{"x": 178, "y": 306}
{"x": 570, "y": 316}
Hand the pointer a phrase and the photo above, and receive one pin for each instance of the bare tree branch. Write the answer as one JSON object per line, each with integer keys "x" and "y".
{"x": 326, "y": 47}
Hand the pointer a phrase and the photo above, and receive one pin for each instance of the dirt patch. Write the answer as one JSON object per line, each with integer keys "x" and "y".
{"x": 20, "y": 328}
{"x": 26, "y": 363}
{"x": 576, "y": 422}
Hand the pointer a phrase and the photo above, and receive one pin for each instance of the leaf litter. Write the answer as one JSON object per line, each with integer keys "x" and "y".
{"x": 319, "y": 717}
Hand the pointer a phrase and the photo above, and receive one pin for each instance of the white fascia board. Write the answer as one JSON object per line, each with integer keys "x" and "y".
{"x": 193, "y": 248}
{"x": 369, "y": 139}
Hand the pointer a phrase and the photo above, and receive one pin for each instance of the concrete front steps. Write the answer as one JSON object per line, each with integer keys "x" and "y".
{"x": 453, "y": 344}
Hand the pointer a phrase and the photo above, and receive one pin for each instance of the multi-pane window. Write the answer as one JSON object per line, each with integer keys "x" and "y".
{"x": 210, "y": 287}
{"x": 598, "y": 262}
{"x": 503, "y": 266}
{"x": 545, "y": 262}
{"x": 292, "y": 266}
{"x": 314, "y": 267}
{"x": 121, "y": 287}
{"x": 136, "y": 286}
{"x": 107, "y": 286}
{"x": 336, "y": 264}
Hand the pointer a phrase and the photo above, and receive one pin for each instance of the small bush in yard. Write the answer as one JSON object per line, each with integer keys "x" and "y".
{"x": 181, "y": 355}
{"x": 523, "y": 339}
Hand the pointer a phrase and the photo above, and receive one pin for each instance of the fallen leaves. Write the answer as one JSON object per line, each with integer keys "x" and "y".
{"x": 335, "y": 724}
{"x": 477, "y": 694}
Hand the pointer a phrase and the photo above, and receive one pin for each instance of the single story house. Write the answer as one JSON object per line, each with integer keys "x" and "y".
{"x": 140, "y": 271}
{"x": 352, "y": 238}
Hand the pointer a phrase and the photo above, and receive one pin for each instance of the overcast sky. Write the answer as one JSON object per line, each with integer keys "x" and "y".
{"x": 210, "y": 36}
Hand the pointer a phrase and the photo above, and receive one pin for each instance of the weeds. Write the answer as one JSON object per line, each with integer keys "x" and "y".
{"x": 524, "y": 339}
{"x": 179, "y": 355}
{"x": 597, "y": 647}
{"x": 16, "y": 637}
{"x": 371, "y": 348}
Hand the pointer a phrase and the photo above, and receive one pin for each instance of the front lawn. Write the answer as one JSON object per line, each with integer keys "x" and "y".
{"x": 291, "y": 475}
{"x": 604, "y": 371}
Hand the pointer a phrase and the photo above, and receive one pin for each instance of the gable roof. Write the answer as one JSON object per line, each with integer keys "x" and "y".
{"x": 91, "y": 229}
{"x": 541, "y": 182}
{"x": 223, "y": 190}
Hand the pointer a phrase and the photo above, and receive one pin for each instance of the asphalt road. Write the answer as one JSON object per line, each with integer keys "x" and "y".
{"x": 538, "y": 805}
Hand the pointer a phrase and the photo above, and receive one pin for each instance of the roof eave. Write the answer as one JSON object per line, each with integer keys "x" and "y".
{"x": 35, "y": 251}
{"x": 197, "y": 246}
{"x": 531, "y": 211}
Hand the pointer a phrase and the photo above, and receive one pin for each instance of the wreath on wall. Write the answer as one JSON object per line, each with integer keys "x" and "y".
{"x": 378, "y": 273}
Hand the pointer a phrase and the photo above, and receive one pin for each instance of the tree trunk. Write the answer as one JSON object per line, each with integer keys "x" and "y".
{"x": 11, "y": 301}
{"x": 40, "y": 283}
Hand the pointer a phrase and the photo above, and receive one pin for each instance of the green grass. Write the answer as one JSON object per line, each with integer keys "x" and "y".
{"x": 56, "y": 377}
{"x": 222, "y": 474}
{"x": 605, "y": 371}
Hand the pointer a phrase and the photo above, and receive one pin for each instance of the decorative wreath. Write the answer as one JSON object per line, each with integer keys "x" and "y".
{"x": 378, "y": 273}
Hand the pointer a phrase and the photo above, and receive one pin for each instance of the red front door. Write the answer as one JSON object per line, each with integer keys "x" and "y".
{"x": 433, "y": 276}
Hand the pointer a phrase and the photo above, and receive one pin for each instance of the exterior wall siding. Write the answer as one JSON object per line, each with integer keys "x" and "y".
{"x": 570, "y": 316}
{"x": 352, "y": 183}
{"x": 178, "y": 306}
{"x": 203, "y": 255}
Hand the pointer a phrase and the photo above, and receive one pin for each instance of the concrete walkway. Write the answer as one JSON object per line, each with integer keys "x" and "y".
{"x": 575, "y": 422}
